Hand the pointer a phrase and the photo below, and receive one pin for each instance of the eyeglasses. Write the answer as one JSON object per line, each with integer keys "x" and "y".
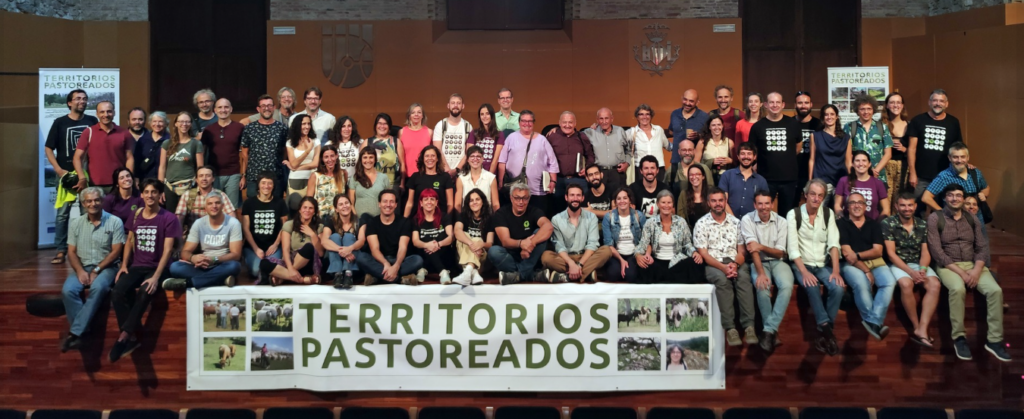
{"x": 475, "y": 156}
{"x": 521, "y": 198}
{"x": 525, "y": 121}
{"x": 856, "y": 203}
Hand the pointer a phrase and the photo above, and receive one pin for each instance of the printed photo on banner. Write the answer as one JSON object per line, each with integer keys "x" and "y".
{"x": 687, "y": 315}
{"x": 640, "y": 354}
{"x": 688, "y": 355}
{"x": 272, "y": 315}
{"x": 223, "y": 315}
{"x": 219, "y": 354}
{"x": 268, "y": 353}
{"x": 639, "y": 315}
{"x": 846, "y": 84}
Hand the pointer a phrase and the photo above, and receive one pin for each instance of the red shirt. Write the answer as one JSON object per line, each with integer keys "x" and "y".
{"x": 222, "y": 145}
{"x": 106, "y": 151}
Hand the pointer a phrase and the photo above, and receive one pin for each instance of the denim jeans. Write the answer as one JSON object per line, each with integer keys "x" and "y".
{"x": 780, "y": 273}
{"x": 338, "y": 263}
{"x": 823, "y": 312}
{"x": 253, "y": 263}
{"x": 872, "y": 310}
{"x": 506, "y": 261}
{"x": 79, "y": 313}
{"x": 372, "y": 267}
{"x": 60, "y": 228}
{"x": 202, "y": 278}
{"x": 229, "y": 185}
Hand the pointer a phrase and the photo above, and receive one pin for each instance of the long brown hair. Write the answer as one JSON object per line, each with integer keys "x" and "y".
{"x": 340, "y": 175}
{"x": 852, "y": 177}
{"x": 361, "y": 171}
{"x": 337, "y": 221}
{"x": 489, "y": 130}
{"x": 887, "y": 115}
{"x": 176, "y": 134}
{"x": 314, "y": 223}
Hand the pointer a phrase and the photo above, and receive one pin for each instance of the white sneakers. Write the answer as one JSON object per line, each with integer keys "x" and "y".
{"x": 469, "y": 276}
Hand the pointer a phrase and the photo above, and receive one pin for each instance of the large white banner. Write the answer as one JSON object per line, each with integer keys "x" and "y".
{"x": 54, "y": 85}
{"x": 846, "y": 83}
{"x": 571, "y": 337}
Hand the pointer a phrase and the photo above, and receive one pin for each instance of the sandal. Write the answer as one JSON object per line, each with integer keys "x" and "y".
{"x": 923, "y": 341}
{"x": 58, "y": 259}
{"x": 311, "y": 280}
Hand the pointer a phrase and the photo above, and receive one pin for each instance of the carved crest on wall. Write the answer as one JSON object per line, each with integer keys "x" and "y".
{"x": 347, "y": 53}
{"x": 659, "y": 55}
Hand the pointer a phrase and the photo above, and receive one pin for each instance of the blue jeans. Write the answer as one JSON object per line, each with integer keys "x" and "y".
{"x": 229, "y": 185}
{"x": 781, "y": 274}
{"x": 506, "y": 261}
{"x": 338, "y": 263}
{"x": 60, "y": 227}
{"x": 79, "y": 313}
{"x": 823, "y": 312}
{"x": 871, "y": 310}
{"x": 202, "y": 278}
{"x": 372, "y": 267}
{"x": 253, "y": 263}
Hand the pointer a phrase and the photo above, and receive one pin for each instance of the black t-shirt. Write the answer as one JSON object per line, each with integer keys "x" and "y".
{"x": 599, "y": 203}
{"x": 476, "y": 229}
{"x": 776, "y": 148}
{"x": 63, "y": 138}
{"x": 440, "y": 182}
{"x": 859, "y": 239}
{"x": 429, "y": 233}
{"x": 646, "y": 202}
{"x": 388, "y": 236}
{"x": 806, "y": 129}
{"x": 933, "y": 141}
{"x": 519, "y": 227}
{"x": 264, "y": 219}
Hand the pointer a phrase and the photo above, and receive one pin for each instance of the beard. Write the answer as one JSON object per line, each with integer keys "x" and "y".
{"x": 746, "y": 164}
{"x": 575, "y": 206}
{"x": 802, "y": 113}
{"x": 595, "y": 184}
{"x": 137, "y": 131}
{"x": 455, "y": 113}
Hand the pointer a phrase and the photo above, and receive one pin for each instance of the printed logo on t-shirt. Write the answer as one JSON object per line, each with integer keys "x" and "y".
{"x": 487, "y": 144}
{"x": 347, "y": 157}
{"x": 868, "y": 196}
{"x": 600, "y": 206}
{"x": 263, "y": 222}
{"x": 145, "y": 239}
{"x": 215, "y": 240}
{"x": 648, "y": 206}
{"x": 934, "y": 137}
{"x": 806, "y": 140}
{"x": 437, "y": 185}
{"x": 526, "y": 224}
{"x": 776, "y": 139}
{"x": 181, "y": 155}
{"x": 453, "y": 145}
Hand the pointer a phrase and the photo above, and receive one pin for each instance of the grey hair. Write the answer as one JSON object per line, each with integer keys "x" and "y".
{"x": 518, "y": 186}
{"x": 195, "y": 97}
{"x": 285, "y": 89}
{"x": 816, "y": 181}
{"x": 90, "y": 191}
{"x": 567, "y": 113}
{"x": 664, "y": 193}
{"x": 938, "y": 92}
{"x": 958, "y": 146}
{"x": 156, "y": 114}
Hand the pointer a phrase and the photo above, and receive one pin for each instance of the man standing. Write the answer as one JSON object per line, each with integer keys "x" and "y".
{"x": 574, "y": 153}
{"x": 960, "y": 250}
{"x": 192, "y": 205}
{"x": 598, "y": 199}
{"x": 931, "y": 135}
{"x": 686, "y": 123}
{"x": 741, "y": 184}
{"x": 730, "y": 115}
{"x": 283, "y": 111}
{"x": 323, "y": 122}
{"x": 906, "y": 244}
{"x": 507, "y": 120}
{"x": 136, "y": 125}
{"x": 765, "y": 234}
{"x": 222, "y": 141}
{"x": 386, "y": 254}
{"x": 813, "y": 247}
{"x": 61, "y": 145}
{"x": 211, "y": 253}
{"x": 204, "y": 100}
{"x": 262, "y": 148}
{"x": 234, "y": 316}
{"x": 860, "y": 240}
{"x": 645, "y": 192}
{"x": 960, "y": 173}
{"x": 522, "y": 232}
{"x": 717, "y": 237}
{"x": 610, "y": 145}
{"x": 578, "y": 251}
{"x": 95, "y": 243}
{"x": 107, "y": 147}
{"x": 451, "y": 134}
{"x": 777, "y": 138}
{"x": 808, "y": 125}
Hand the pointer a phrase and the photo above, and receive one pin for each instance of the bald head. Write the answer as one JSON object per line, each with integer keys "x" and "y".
{"x": 774, "y": 106}
{"x": 690, "y": 100}
{"x": 223, "y": 109}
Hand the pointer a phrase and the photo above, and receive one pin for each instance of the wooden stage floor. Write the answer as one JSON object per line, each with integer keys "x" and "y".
{"x": 867, "y": 373}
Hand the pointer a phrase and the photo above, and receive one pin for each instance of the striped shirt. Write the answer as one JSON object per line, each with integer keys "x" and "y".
{"x": 93, "y": 243}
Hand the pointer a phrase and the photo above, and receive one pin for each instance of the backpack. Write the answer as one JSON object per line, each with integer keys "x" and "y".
{"x": 942, "y": 220}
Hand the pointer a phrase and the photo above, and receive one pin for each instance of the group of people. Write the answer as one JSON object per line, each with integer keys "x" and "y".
{"x": 322, "y": 204}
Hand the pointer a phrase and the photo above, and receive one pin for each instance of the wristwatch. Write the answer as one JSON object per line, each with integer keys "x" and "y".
{"x": 96, "y": 270}
{"x": 214, "y": 260}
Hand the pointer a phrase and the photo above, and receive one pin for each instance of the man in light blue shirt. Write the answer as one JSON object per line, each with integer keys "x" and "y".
{"x": 577, "y": 251}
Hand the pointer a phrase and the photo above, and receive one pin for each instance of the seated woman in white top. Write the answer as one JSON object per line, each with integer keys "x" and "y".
{"x": 647, "y": 140}
{"x": 473, "y": 176}
{"x": 303, "y": 158}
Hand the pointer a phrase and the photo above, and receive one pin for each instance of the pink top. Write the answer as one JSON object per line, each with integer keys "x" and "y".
{"x": 742, "y": 134}
{"x": 413, "y": 142}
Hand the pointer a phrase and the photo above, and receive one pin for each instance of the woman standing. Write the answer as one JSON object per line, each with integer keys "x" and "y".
{"x": 621, "y": 230}
{"x": 179, "y": 159}
{"x": 473, "y": 176}
{"x": 714, "y": 150}
{"x": 303, "y": 157}
{"x": 870, "y": 136}
{"x": 262, "y": 218}
{"x": 529, "y": 152}
{"x": 389, "y": 151}
{"x": 123, "y": 202}
{"x": 488, "y": 138}
{"x": 829, "y": 148}
{"x": 754, "y": 114}
{"x": 432, "y": 237}
{"x": 147, "y": 149}
{"x": 648, "y": 140}
{"x": 327, "y": 181}
{"x": 473, "y": 236}
{"x": 860, "y": 181}
{"x": 429, "y": 176}
{"x": 342, "y": 237}
{"x": 415, "y": 136}
{"x": 665, "y": 252}
{"x": 367, "y": 184}
{"x": 346, "y": 139}
{"x": 895, "y": 118}
{"x": 301, "y": 247}
{"x": 693, "y": 202}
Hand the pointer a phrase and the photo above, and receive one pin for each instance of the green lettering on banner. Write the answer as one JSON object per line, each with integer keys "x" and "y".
{"x": 490, "y": 319}
{"x": 370, "y": 357}
{"x": 515, "y": 319}
{"x": 540, "y": 318}
{"x": 426, "y": 319}
{"x": 577, "y": 319}
{"x": 309, "y": 307}
{"x": 308, "y": 352}
{"x": 605, "y": 324}
{"x": 452, "y": 356}
{"x": 506, "y": 353}
{"x": 390, "y": 343}
{"x": 448, "y": 321}
{"x": 474, "y": 353}
{"x": 426, "y": 345}
{"x": 371, "y": 320}
{"x": 605, "y": 359}
{"x": 560, "y": 352}
{"x": 529, "y": 353}
{"x": 336, "y": 317}
{"x": 340, "y": 357}
{"x": 398, "y": 319}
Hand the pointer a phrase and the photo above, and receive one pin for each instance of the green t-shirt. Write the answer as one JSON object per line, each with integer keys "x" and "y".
{"x": 181, "y": 164}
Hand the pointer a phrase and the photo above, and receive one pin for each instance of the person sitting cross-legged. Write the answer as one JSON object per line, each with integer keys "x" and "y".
{"x": 212, "y": 250}
{"x": 386, "y": 256}
{"x": 522, "y": 233}
{"x": 578, "y": 252}
{"x": 301, "y": 248}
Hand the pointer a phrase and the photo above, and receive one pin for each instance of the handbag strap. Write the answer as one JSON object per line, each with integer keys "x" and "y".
{"x": 526, "y": 157}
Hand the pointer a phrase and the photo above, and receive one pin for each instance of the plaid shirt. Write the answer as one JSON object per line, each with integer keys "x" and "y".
{"x": 958, "y": 241}
{"x": 908, "y": 243}
{"x": 199, "y": 205}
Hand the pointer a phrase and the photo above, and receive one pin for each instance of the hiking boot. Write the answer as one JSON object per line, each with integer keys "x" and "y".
{"x": 369, "y": 280}
{"x": 175, "y": 284}
{"x": 768, "y": 342}
{"x": 732, "y": 337}
{"x": 412, "y": 280}
{"x": 998, "y": 349}
{"x": 560, "y": 278}
{"x": 508, "y": 278}
{"x": 445, "y": 276}
{"x": 543, "y": 275}
{"x": 963, "y": 351}
{"x": 343, "y": 281}
{"x": 750, "y": 336}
